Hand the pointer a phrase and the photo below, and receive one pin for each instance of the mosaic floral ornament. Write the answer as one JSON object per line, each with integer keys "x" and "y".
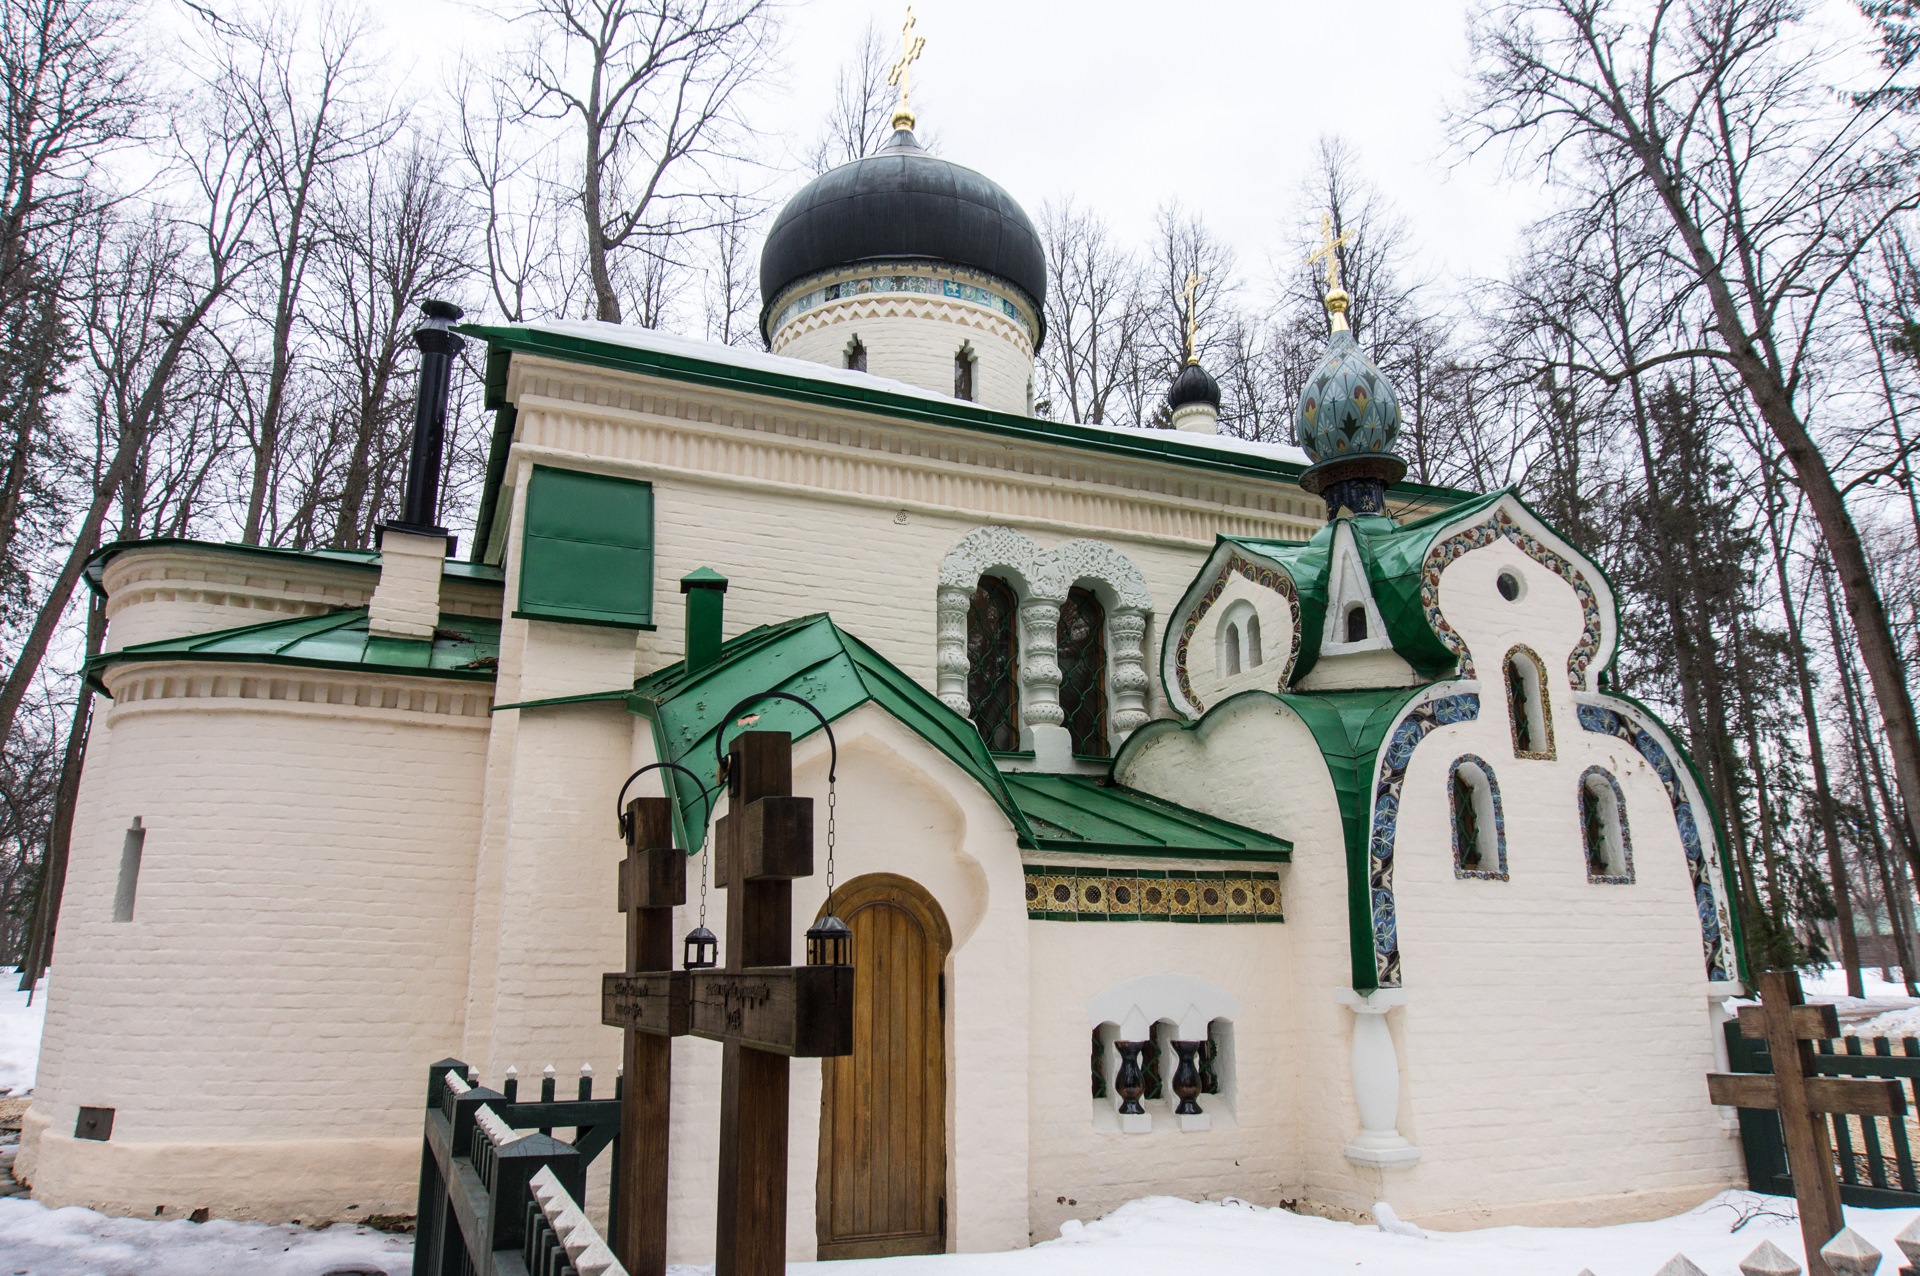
{"x": 1348, "y": 406}
{"x": 1265, "y": 577}
{"x": 1498, "y": 525}
{"x": 1421, "y": 719}
{"x": 1709, "y": 893}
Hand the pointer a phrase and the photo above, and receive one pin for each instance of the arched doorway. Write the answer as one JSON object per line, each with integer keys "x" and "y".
{"x": 883, "y": 1109}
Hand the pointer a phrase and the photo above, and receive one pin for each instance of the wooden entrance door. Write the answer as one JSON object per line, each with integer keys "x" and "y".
{"x": 883, "y": 1109}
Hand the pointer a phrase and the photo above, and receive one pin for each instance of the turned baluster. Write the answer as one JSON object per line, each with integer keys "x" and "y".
{"x": 1186, "y": 1077}
{"x": 1129, "y": 1082}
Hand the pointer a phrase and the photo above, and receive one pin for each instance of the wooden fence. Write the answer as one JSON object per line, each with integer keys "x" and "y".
{"x": 1873, "y": 1155}
{"x": 497, "y": 1200}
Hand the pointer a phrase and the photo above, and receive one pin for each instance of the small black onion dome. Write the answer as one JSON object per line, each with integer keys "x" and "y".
{"x": 1193, "y": 385}
{"x": 902, "y": 204}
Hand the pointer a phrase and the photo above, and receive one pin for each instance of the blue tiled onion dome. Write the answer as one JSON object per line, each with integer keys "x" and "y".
{"x": 1193, "y": 385}
{"x": 1348, "y": 407}
{"x": 902, "y": 204}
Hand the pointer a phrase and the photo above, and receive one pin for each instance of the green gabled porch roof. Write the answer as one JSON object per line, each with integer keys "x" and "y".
{"x": 465, "y": 647}
{"x": 1394, "y": 554}
{"x": 813, "y": 658}
{"x": 1090, "y": 815}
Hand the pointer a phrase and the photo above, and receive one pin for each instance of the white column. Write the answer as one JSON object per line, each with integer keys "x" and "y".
{"x": 950, "y": 660}
{"x": 1040, "y": 713}
{"x": 1376, "y": 1082}
{"x": 1127, "y": 680}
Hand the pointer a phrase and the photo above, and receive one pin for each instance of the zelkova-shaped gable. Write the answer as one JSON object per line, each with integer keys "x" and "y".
{"x": 1433, "y": 590}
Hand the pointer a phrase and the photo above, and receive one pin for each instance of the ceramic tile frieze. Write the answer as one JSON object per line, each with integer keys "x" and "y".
{"x": 935, "y": 285}
{"x": 1709, "y": 892}
{"x": 1151, "y": 895}
{"x": 1497, "y": 525}
{"x": 1391, "y": 777}
{"x": 1267, "y": 578}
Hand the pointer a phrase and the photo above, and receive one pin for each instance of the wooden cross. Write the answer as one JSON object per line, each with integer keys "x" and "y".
{"x": 1329, "y": 251}
{"x": 649, "y": 1000}
{"x": 1186, "y": 298}
{"x": 761, "y": 1009}
{"x": 1789, "y": 1027}
{"x": 911, "y": 46}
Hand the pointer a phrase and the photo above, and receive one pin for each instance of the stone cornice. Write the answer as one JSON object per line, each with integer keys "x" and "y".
{"x": 633, "y": 421}
{"x": 150, "y": 687}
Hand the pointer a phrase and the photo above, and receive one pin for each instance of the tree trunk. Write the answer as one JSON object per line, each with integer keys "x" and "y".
{"x": 53, "y": 872}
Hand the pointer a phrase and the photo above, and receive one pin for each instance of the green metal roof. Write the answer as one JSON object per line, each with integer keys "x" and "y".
{"x": 357, "y": 559}
{"x": 1155, "y": 445}
{"x": 464, "y": 647}
{"x": 815, "y": 659}
{"x": 1394, "y": 554}
{"x": 1087, "y": 814}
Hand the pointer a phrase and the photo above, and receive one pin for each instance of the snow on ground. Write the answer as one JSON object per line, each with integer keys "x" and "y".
{"x": 1155, "y": 1234}
{"x": 19, "y": 1033}
{"x": 37, "y": 1241}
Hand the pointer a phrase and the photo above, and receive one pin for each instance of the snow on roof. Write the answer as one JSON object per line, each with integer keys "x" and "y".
{"x": 637, "y": 338}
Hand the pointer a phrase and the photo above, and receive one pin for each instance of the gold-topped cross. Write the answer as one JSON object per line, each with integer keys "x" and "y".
{"x": 1193, "y": 328}
{"x": 911, "y": 46}
{"x": 1329, "y": 252}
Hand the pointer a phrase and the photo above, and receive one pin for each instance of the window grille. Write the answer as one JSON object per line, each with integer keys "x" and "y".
{"x": 993, "y": 664}
{"x": 1083, "y": 672}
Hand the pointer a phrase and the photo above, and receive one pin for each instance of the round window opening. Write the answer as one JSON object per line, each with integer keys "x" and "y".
{"x": 1509, "y": 586}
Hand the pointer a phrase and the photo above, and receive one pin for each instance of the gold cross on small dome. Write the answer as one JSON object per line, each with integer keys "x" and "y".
{"x": 911, "y": 46}
{"x": 1329, "y": 252}
{"x": 1193, "y": 328}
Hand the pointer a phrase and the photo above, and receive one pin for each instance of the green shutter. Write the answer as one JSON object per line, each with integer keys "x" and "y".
{"x": 587, "y": 552}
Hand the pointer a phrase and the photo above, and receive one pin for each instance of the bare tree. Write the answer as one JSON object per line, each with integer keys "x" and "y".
{"x": 303, "y": 102}
{"x": 652, "y": 87}
{"x": 1711, "y": 109}
{"x": 862, "y": 116}
{"x": 1095, "y": 315}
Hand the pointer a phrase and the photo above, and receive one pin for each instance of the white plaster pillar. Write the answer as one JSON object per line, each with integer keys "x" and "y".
{"x": 1040, "y": 713}
{"x": 1376, "y": 1082}
{"x": 1127, "y": 679}
{"x": 950, "y": 659}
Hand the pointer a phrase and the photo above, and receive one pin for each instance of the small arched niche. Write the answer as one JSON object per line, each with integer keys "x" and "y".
{"x": 1478, "y": 824}
{"x": 1528, "y": 711}
{"x": 1603, "y": 828}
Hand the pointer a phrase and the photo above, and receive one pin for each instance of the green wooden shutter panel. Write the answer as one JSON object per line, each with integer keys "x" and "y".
{"x": 587, "y": 553}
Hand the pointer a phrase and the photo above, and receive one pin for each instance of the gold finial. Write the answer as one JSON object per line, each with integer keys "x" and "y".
{"x": 911, "y": 46}
{"x": 1193, "y": 328}
{"x": 1329, "y": 252}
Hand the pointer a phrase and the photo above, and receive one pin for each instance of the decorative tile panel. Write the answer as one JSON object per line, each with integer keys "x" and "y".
{"x": 954, "y": 283}
{"x": 1166, "y": 895}
{"x": 1709, "y": 891}
{"x": 1267, "y": 578}
{"x": 1497, "y": 525}
{"x": 1390, "y": 778}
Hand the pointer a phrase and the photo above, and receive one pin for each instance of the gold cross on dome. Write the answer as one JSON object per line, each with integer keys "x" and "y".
{"x": 1329, "y": 251}
{"x": 911, "y": 46}
{"x": 1186, "y": 297}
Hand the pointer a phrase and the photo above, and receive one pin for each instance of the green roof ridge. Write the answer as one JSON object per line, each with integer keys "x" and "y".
{"x": 336, "y": 639}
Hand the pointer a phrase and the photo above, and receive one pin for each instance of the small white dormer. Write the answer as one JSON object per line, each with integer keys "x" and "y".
{"x": 1355, "y": 648}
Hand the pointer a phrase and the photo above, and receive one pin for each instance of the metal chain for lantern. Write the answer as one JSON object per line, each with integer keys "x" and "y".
{"x": 829, "y": 940}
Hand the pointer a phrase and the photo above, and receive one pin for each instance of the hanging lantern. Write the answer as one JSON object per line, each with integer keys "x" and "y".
{"x": 829, "y": 943}
{"x": 702, "y": 949}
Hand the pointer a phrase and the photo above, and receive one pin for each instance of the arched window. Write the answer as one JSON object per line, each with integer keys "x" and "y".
{"x": 1083, "y": 672}
{"x": 963, "y": 362}
{"x": 1527, "y": 707}
{"x": 1356, "y": 623}
{"x": 1479, "y": 828}
{"x": 1253, "y": 642}
{"x": 993, "y": 664}
{"x": 1603, "y": 828}
{"x": 1230, "y": 651}
{"x": 857, "y": 355}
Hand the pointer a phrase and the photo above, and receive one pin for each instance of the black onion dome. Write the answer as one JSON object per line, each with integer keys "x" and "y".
{"x": 1193, "y": 385}
{"x": 902, "y": 204}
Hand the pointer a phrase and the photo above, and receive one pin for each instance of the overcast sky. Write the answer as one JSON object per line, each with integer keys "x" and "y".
{"x": 1124, "y": 104}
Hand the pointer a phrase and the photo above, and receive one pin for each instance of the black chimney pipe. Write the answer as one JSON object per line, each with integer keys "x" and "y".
{"x": 437, "y": 345}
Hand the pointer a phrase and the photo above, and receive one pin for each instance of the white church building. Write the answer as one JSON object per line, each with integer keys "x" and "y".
{"x": 1166, "y": 759}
